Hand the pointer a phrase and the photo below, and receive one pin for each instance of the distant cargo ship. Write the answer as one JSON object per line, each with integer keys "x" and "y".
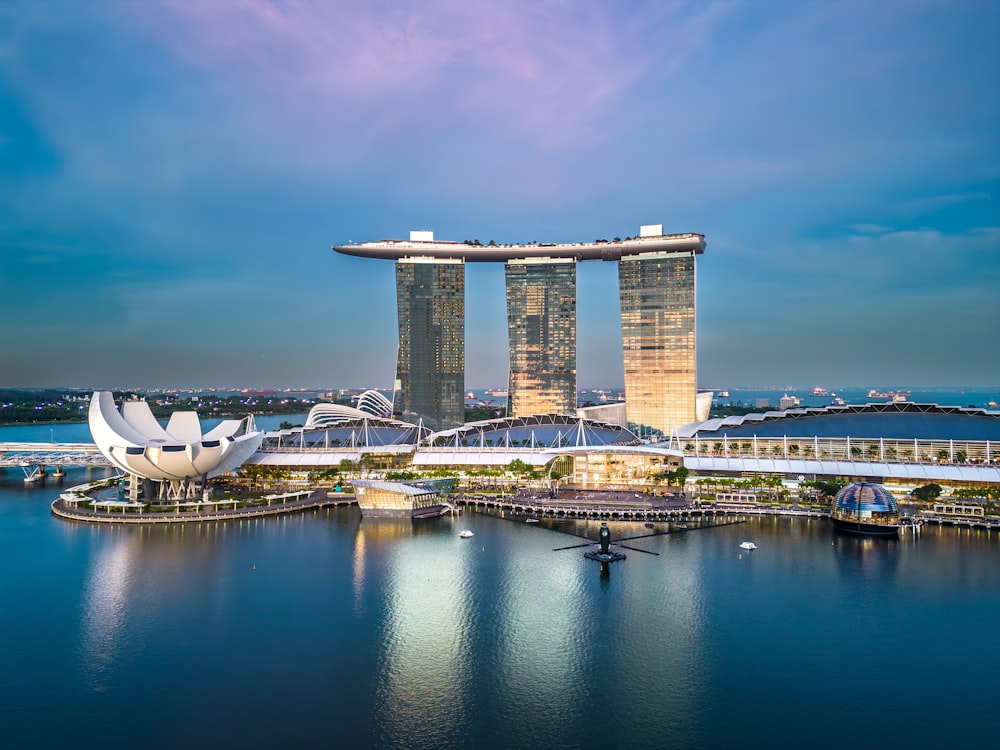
{"x": 894, "y": 395}
{"x": 817, "y": 391}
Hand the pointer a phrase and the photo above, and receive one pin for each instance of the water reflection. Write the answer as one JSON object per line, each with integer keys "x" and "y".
{"x": 105, "y": 603}
{"x": 542, "y": 631}
{"x": 424, "y": 658}
{"x": 180, "y": 571}
{"x": 869, "y": 559}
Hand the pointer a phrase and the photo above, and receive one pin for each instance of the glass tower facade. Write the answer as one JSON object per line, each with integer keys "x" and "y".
{"x": 541, "y": 320}
{"x": 430, "y": 365}
{"x": 657, "y": 294}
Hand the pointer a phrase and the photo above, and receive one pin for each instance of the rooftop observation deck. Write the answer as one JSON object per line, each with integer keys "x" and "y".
{"x": 600, "y": 250}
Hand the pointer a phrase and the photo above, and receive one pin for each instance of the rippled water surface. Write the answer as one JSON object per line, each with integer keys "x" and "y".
{"x": 326, "y": 629}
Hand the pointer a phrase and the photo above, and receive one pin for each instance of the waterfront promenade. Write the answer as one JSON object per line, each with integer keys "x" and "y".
{"x": 603, "y": 506}
{"x": 69, "y": 510}
{"x": 617, "y": 506}
{"x": 628, "y": 506}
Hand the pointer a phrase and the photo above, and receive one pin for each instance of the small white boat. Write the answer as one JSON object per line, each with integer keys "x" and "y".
{"x": 748, "y": 545}
{"x": 531, "y": 520}
{"x": 466, "y": 534}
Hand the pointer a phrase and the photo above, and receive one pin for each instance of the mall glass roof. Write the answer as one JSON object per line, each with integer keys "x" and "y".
{"x": 895, "y": 420}
{"x": 540, "y": 431}
{"x": 370, "y": 432}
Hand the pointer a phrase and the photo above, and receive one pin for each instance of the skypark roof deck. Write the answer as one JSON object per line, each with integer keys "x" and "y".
{"x": 607, "y": 251}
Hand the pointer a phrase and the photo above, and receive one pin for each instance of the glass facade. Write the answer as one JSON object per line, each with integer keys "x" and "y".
{"x": 541, "y": 319}
{"x": 657, "y": 293}
{"x": 610, "y": 470}
{"x": 430, "y": 365}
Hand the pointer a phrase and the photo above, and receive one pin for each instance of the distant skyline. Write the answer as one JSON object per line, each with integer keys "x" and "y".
{"x": 175, "y": 173}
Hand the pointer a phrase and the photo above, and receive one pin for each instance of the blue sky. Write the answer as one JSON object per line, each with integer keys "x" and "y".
{"x": 173, "y": 175}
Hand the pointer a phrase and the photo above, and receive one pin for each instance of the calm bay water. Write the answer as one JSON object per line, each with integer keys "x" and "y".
{"x": 328, "y": 629}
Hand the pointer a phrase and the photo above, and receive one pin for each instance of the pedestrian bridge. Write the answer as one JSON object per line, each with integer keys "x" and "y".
{"x": 32, "y": 458}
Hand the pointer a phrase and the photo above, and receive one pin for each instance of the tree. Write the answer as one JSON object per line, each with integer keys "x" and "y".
{"x": 518, "y": 467}
{"x": 926, "y": 493}
{"x": 400, "y": 476}
{"x": 825, "y": 488}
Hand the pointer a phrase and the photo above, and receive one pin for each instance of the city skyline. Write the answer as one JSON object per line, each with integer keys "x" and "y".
{"x": 175, "y": 174}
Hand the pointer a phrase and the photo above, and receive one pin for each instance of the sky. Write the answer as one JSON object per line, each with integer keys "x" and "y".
{"x": 173, "y": 175}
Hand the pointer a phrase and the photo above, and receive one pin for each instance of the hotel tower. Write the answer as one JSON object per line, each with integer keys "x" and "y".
{"x": 430, "y": 364}
{"x": 657, "y": 291}
{"x": 541, "y": 319}
{"x": 656, "y": 282}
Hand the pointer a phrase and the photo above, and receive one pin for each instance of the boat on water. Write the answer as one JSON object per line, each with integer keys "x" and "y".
{"x": 531, "y": 520}
{"x": 748, "y": 545}
{"x": 867, "y": 509}
{"x": 466, "y": 534}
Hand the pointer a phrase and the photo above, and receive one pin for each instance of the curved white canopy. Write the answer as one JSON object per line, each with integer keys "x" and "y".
{"x": 370, "y": 404}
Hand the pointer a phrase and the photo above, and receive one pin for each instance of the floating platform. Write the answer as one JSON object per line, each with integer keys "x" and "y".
{"x": 604, "y": 557}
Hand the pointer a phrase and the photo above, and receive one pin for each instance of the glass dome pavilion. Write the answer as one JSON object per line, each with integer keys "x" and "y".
{"x": 865, "y": 500}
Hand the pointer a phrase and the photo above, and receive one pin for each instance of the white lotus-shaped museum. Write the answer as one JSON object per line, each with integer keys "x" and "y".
{"x": 177, "y": 454}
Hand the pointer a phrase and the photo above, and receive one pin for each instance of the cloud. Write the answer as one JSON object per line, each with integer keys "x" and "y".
{"x": 841, "y": 163}
{"x": 871, "y": 228}
{"x": 358, "y": 52}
